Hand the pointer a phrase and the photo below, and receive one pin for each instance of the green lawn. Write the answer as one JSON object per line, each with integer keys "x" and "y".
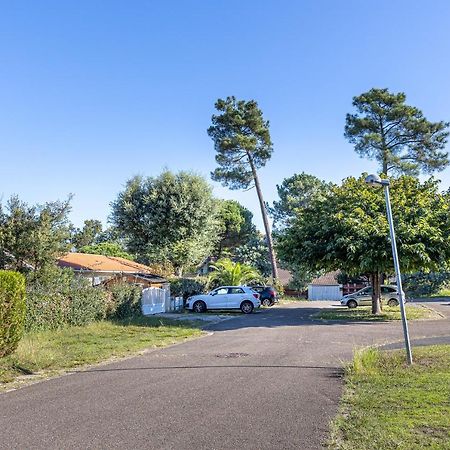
{"x": 388, "y": 405}
{"x": 53, "y": 351}
{"x": 286, "y": 299}
{"x": 363, "y": 313}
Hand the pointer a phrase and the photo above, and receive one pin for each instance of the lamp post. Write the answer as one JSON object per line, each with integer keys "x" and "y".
{"x": 376, "y": 181}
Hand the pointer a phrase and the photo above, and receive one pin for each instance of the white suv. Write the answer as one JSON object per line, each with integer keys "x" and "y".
{"x": 225, "y": 297}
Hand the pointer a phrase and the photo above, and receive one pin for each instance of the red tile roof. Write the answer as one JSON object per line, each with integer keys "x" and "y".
{"x": 327, "y": 279}
{"x": 101, "y": 263}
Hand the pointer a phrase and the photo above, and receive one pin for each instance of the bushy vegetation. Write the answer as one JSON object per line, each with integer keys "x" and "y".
{"x": 12, "y": 310}
{"x": 185, "y": 287}
{"x": 56, "y": 297}
{"x": 124, "y": 301}
{"x": 423, "y": 284}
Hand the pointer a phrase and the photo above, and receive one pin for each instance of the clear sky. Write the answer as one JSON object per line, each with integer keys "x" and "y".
{"x": 93, "y": 92}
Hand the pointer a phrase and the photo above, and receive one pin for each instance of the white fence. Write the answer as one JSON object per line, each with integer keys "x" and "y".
{"x": 155, "y": 300}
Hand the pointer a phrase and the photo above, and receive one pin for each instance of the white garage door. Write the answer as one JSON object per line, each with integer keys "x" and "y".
{"x": 316, "y": 292}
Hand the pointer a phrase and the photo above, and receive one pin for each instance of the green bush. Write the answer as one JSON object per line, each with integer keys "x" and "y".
{"x": 124, "y": 301}
{"x": 422, "y": 284}
{"x": 185, "y": 287}
{"x": 57, "y": 297}
{"x": 12, "y": 310}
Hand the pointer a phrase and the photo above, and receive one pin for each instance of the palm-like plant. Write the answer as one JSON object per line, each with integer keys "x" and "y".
{"x": 229, "y": 273}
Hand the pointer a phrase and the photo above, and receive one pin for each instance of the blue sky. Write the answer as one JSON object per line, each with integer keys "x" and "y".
{"x": 94, "y": 92}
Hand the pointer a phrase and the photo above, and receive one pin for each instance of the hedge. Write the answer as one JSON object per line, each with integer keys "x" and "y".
{"x": 12, "y": 310}
{"x": 58, "y": 298}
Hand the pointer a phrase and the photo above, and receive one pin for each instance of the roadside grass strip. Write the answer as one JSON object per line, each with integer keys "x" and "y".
{"x": 49, "y": 352}
{"x": 388, "y": 405}
{"x": 364, "y": 313}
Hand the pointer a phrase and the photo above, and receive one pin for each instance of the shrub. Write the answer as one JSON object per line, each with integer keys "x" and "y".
{"x": 57, "y": 297}
{"x": 124, "y": 301}
{"x": 185, "y": 287}
{"x": 12, "y": 310}
{"x": 421, "y": 283}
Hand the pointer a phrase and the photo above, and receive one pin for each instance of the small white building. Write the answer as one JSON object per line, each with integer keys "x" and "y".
{"x": 325, "y": 287}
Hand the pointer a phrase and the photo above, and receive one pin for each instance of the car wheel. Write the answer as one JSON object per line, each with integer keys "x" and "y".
{"x": 199, "y": 307}
{"x": 246, "y": 307}
{"x": 393, "y": 302}
{"x": 266, "y": 302}
{"x": 352, "y": 304}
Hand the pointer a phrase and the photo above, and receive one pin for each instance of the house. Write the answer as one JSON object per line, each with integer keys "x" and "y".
{"x": 111, "y": 269}
{"x": 325, "y": 287}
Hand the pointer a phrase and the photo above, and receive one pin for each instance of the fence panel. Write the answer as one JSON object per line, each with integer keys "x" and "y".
{"x": 155, "y": 300}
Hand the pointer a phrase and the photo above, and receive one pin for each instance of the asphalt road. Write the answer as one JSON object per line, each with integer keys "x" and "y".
{"x": 270, "y": 380}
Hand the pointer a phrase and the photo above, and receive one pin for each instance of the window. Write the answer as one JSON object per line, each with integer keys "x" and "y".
{"x": 235, "y": 291}
{"x": 221, "y": 291}
{"x": 387, "y": 290}
{"x": 366, "y": 291}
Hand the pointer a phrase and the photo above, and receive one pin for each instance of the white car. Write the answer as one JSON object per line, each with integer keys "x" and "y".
{"x": 225, "y": 297}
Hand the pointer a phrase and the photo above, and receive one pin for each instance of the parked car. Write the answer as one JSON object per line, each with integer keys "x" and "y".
{"x": 225, "y": 297}
{"x": 267, "y": 295}
{"x": 363, "y": 297}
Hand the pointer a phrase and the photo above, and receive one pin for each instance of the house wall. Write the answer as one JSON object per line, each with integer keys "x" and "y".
{"x": 319, "y": 292}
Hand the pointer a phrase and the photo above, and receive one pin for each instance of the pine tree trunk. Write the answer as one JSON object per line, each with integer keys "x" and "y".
{"x": 272, "y": 256}
{"x": 376, "y": 292}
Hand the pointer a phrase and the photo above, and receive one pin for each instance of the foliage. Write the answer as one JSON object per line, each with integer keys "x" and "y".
{"x": 56, "y": 298}
{"x": 235, "y": 226}
{"x": 302, "y": 276}
{"x": 396, "y": 135}
{"x": 229, "y": 273}
{"x": 124, "y": 301}
{"x": 349, "y": 231}
{"x": 254, "y": 253}
{"x": 241, "y": 138}
{"x": 242, "y": 142}
{"x": 32, "y": 237}
{"x": 422, "y": 283}
{"x": 88, "y": 235}
{"x": 296, "y": 192}
{"x": 107, "y": 249}
{"x": 185, "y": 287}
{"x": 12, "y": 310}
{"x": 167, "y": 218}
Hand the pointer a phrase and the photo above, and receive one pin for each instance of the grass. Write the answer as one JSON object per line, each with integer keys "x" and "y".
{"x": 363, "y": 313}
{"x": 286, "y": 299}
{"x": 389, "y": 405}
{"x": 52, "y": 351}
{"x": 442, "y": 293}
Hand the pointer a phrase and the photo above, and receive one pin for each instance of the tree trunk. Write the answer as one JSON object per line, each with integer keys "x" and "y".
{"x": 376, "y": 292}
{"x": 272, "y": 256}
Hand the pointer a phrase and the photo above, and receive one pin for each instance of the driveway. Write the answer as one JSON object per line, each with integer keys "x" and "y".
{"x": 264, "y": 381}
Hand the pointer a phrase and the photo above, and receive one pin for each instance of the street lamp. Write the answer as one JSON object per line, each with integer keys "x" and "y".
{"x": 376, "y": 181}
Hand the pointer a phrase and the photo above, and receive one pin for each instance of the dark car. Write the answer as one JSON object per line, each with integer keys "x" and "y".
{"x": 267, "y": 295}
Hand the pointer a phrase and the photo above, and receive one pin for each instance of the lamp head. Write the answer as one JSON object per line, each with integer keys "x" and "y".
{"x": 376, "y": 181}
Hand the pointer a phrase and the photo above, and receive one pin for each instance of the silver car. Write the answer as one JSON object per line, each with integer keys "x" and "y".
{"x": 363, "y": 297}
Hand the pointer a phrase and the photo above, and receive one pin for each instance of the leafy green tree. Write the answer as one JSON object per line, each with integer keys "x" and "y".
{"x": 106, "y": 249}
{"x": 235, "y": 226}
{"x": 88, "y": 234}
{"x": 242, "y": 141}
{"x": 229, "y": 273}
{"x": 254, "y": 253}
{"x": 349, "y": 231}
{"x": 396, "y": 135}
{"x": 167, "y": 218}
{"x": 296, "y": 192}
{"x": 32, "y": 237}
